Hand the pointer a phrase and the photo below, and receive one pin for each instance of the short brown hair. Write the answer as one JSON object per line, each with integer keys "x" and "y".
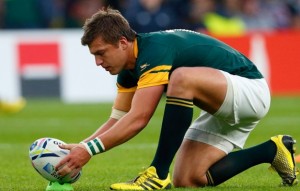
{"x": 109, "y": 24}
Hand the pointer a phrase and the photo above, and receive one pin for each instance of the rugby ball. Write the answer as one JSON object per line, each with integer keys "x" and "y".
{"x": 45, "y": 154}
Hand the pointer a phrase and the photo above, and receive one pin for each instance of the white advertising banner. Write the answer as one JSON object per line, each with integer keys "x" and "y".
{"x": 28, "y": 58}
{"x": 9, "y": 78}
{"x": 53, "y": 63}
{"x": 82, "y": 80}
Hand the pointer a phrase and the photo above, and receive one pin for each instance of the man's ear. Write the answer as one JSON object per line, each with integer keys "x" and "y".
{"x": 123, "y": 42}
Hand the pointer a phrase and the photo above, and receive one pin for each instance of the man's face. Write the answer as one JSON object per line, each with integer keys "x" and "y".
{"x": 112, "y": 58}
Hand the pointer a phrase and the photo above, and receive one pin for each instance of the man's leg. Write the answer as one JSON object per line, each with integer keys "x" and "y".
{"x": 192, "y": 162}
{"x": 207, "y": 86}
{"x": 220, "y": 167}
{"x": 202, "y": 169}
{"x": 200, "y": 166}
{"x": 177, "y": 118}
{"x": 184, "y": 86}
{"x": 279, "y": 152}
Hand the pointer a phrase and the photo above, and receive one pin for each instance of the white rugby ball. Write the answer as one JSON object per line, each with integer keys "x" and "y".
{"x": 45, "y": 154}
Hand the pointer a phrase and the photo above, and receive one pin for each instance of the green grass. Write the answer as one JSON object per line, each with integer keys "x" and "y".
{"x": 74, "y": 122}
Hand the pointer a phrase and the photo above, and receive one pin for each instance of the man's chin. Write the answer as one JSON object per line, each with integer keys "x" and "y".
{"x": 113, "y": 72}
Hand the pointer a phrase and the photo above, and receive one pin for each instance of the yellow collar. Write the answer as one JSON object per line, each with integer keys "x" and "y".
{"x": 135, "y": 48}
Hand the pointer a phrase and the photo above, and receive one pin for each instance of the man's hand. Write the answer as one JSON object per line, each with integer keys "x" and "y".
{"x": 75, "y": 160}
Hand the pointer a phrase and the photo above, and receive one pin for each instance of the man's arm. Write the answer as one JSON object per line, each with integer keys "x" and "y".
{"x": 143, "y": 105}
{"x": 121, "y": 103}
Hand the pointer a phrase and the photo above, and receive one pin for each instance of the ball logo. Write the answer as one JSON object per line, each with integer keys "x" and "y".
{"x": 57, "y": 142}
{"x": 49, "y": 168}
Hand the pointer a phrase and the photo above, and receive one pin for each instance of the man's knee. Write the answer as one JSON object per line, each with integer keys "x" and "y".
{"x": 179, "y": 76}
{"x": 188, "y": 181}
{"x": 179, "y": 83}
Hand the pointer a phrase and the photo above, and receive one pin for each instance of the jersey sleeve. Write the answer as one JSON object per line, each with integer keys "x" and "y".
{"x": 123, "y": 89}
{"x": 158, "y": 75}
{"x": 126, "y": 82}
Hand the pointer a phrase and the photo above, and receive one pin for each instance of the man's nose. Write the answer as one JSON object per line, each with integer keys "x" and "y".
{"x": 99, "y": 62}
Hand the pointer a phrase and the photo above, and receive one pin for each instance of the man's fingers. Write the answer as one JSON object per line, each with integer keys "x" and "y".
{"x": 72, "y": 165}
{"x": 64, "y": 170}
{"x": 67, "y": 168}
{"x": 66, "y": 159}
{"x": 73, "y": 161}
{"x": 75, "y": 172}
{"x": 62, "y": 163}
{"x": 67, "y": 146}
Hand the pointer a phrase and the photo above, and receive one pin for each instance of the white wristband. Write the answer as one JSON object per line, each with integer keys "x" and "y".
{"x": 94, "y": 146}
{"x": 117, "y": 114}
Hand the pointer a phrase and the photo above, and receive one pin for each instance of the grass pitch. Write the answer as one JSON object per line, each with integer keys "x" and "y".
{"x": 74, "y": 122}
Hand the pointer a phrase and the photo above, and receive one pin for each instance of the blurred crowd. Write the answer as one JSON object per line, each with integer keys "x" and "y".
{"x": 220, "y": 17}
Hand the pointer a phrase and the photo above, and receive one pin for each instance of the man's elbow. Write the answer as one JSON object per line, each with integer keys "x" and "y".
{"x": 141, "y": 122}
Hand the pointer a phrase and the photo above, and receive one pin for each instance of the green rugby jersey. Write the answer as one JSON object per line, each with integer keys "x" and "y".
{"x": 159, "y": 53}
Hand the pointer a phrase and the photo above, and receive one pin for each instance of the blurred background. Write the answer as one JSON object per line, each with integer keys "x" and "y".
{"x": 53, "y": 80}
{"x": 230, "y": 17}
{"x": 41, "y": 54}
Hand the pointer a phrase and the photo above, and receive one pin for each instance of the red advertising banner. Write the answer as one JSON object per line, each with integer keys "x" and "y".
{"x": 39, "y": 59}
{"x": 284, "y": 56}
{"x": 39, "y": 68}
{"x": 279, "y": 53}
{"x": 276, "y": 54}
